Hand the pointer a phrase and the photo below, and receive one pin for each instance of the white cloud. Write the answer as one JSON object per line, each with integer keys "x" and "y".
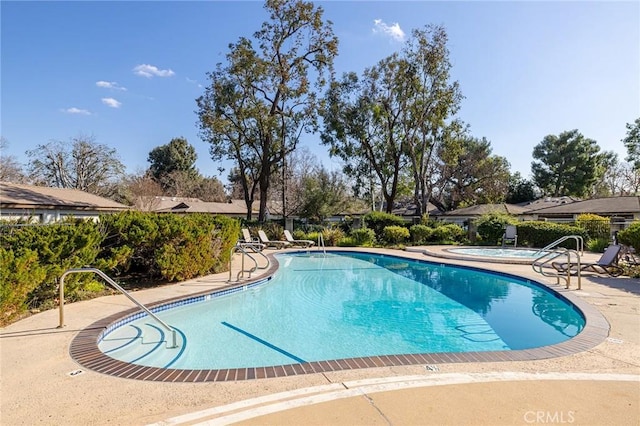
{"x": 110, "y": 85}
{"x": 110, "y": 102}
{"x": 149, "y": 71}
{"x": 394, "y": 31}
{"x": 78, "y": 111}
{"x": 193, "y": 82}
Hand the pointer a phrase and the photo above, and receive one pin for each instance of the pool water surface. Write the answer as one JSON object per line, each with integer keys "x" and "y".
{"x": 348, "y": 305}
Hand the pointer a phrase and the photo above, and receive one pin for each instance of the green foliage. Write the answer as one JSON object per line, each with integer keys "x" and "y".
{"x": 632, "y": 142}
{"x": 395, "y": 234}
{"x": 60, "y": 246}
{"x": 539, "y": 234}
{"x": 332, "y": 236}
{"x": 449, "y": 232}
{"x": 491, "y": 226}
{"x": 19, "y": 275}
{"x": 347, "y": 242}
{"x": 567, "y": 164}
{"x": 420, "y": 234}
{"x": 380, "y": 220}
{"x": 176, "y": 156}
{"x": 165, "y": 246}
{"x": 630, "y": 236}
{"x": 598, "y": 245}
{"x": 597, "y": 227}
{"x": 363, "y": 237}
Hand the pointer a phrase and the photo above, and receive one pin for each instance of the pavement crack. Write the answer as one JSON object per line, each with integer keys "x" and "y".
{"x": 373, "y": 404}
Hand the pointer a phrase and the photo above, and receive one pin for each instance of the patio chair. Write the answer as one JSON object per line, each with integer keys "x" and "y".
{"x": 606, "y": 265}
{"x": 510, "y": 235}
{"x": 267, "y": 242}
{"x": 293, "y": 242}
{"x": 248, "y": 242}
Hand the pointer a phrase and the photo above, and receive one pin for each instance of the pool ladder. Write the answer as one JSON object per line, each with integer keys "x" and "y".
{"x": 242, "y": 248}
{"x": 174, "y": 337}
{"x": 551, "y": 252}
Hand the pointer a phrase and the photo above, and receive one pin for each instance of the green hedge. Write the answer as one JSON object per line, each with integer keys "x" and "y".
{"x": 380, "y": 220}
{"x": 395, "y": 234}
{"x": 491, "y": 226}
{"x": 539, "y": 234}
{"x": 142, "y": 246}
{"x": 630, "y": 236}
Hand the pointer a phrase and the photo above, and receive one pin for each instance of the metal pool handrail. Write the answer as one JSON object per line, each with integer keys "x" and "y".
{"x": 550, "y": 256}
{"x": 579, "y": 243}
{"x": 174, "y": 343}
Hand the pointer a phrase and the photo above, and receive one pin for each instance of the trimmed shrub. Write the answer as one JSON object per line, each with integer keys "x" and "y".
{"x": 420, "y": 234}
{"x": 491, "y": 226}
{"x": 598, "y": 227}
{"x": 19, "y": 275}
{"x": 347, "y": 242}
{"x": 364, "y": 237}
{"x": 598, "y": 245}
{"x": 448, "y": 233}
{"x": 539, "y": 234}
{"x": 395, "y": 234}
{"x": 631, "y": 236}
{"x": 380, "y": 220}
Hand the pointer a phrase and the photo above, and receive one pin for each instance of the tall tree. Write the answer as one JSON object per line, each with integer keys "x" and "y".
{"x": 81, "y": 164}
{"x": 434, "y": 99}
{"x": 176, "y": 156}
{"x": 259, "y": 103}
{"x": 325, "y": 194}
{"x": 394, "y": 116}
{"x": 567, "y": 164}
{"x": 632, "y": 142}
{"x": 474, "y": 175}
{"x": 520, "y": 190}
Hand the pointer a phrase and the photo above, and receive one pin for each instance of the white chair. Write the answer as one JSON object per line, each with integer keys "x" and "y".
{"x": 301, "y": 243}
{"x": 267, "y": 242}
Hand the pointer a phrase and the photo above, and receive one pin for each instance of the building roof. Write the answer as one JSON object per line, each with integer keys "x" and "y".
{"x": 481, "y": 209}
{"x": 545, "y": 202}
{"x": 39, "y": 197}
{"x": 608, "y": 206}
{"x": 233, "y": 207}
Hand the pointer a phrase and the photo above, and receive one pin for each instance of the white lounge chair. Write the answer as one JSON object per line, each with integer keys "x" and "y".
{"x": 267, "y": 242}
{"x": 248, "y": 242}
{"x": 301, "y": 243}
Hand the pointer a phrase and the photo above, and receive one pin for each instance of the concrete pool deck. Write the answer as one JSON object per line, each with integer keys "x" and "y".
{"x": 40, "y": 382}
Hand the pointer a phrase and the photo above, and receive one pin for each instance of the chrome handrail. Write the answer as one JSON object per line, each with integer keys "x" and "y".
{"x": 241, "y": 249}
{"x": 321, "y": 243}
{"x": 549, "y": 256}
{"x": 121, "y": 290}
{"x": 579, "y": 243}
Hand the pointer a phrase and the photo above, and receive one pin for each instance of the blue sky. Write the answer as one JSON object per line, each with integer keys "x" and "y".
{"x": 128, "y": 73}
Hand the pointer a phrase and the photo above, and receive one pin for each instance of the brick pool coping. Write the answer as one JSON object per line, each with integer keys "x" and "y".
{"x": 85, "y": 351}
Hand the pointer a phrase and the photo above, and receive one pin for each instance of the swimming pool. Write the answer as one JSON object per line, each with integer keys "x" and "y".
{"x": 349, "y": 306}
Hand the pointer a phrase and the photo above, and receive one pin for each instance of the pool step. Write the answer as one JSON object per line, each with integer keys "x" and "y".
{"x": 145, "y": 344}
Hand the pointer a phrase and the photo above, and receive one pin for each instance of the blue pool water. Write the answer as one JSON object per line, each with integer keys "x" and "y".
{"x": 350, "y": 305}
{"x": 499, "y": 252}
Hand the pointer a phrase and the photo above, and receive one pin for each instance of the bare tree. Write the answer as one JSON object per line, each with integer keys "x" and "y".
{"x": 79, "y": 164}
{"x": 10, "y": 169}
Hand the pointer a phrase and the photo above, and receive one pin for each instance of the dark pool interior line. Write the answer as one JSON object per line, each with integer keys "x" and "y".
{"x": 263, "y": 342}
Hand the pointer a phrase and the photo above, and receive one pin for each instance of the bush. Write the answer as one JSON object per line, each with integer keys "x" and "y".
{"x": 332, "y": 236}
{"x": 598, "y": 245}
{"x": 631, "y": 236}
{"x": 540, "y": 234}
{"x": 448, "y": 233}
{"x": 420, "y": 234}
{"x": 19, "y": 275}
{"x": 597, "y": 227}
{"x": 347, "y": 242}
{"x": 363, "y": 237}
{"x": 491, "y": 226}
{"x": 395, "y": 234}
{"x": 380, "y": 220}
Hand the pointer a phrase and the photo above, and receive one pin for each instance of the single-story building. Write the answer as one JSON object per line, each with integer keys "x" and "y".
{"x": 41, "y": 204}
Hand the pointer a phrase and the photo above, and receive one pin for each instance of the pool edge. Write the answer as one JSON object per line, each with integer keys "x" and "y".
{"x": 84, "y": 346}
